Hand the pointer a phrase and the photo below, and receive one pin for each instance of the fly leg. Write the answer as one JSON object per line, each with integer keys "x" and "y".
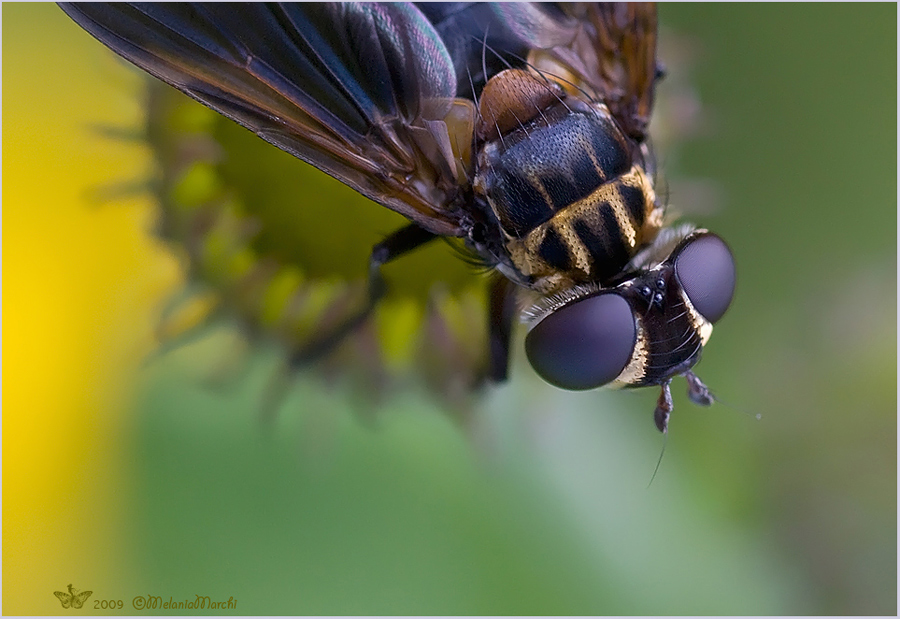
{"x": 397, "y": 244}
{"x": 401, "y": 242}
{"x": 500, "y": 317}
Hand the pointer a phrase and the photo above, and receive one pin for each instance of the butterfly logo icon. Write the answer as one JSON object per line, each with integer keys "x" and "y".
{"x": 72, "y": 599}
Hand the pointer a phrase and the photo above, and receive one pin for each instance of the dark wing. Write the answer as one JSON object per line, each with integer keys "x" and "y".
{"x": 609, "y": 49}
{"x": 360, "y": 91}
{"x": 379, "y": 95}
{"x": 485, "y": 38}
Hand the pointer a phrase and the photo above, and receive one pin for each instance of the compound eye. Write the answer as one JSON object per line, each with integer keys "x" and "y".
{"x": 705, "y": 268}
{"x": 583, "y": 345}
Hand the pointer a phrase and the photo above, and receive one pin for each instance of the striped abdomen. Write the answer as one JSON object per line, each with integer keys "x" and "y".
{"x": 573, "y": 205}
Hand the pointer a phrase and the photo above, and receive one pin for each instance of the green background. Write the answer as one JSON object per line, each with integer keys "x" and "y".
{"x": 132, "y": 478}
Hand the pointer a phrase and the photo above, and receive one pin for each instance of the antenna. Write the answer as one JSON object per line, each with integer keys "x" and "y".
{"x": 700, "y": 394}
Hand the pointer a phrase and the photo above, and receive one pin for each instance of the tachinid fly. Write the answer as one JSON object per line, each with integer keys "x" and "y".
{"x": 520, "y": 129}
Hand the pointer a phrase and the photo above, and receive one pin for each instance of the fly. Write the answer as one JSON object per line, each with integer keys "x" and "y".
{"x": 520, "y": 129}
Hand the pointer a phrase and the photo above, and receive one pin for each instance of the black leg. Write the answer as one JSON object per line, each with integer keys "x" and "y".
{"x": 397, "y": 244}
{"x": 500, "y": 317}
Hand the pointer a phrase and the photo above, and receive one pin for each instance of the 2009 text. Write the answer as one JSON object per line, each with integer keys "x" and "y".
{"x": 108, "y": 604}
